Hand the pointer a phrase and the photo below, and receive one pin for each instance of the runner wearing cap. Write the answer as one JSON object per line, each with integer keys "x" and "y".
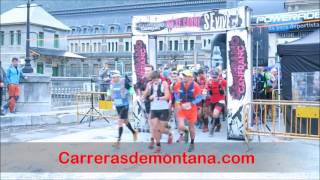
{"x": 120, "y": 94}
{"x": 187, "y": 96}
{"x": 216, "y": 88}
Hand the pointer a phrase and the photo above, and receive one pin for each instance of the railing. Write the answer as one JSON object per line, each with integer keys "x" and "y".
{"x": 291, "y": 119}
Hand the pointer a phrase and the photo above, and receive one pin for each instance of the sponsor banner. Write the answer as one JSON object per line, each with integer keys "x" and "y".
{"x": 239, "y": 89}
{"x": 210, "y": 21}
{"x": 139, "y": 56}
{"x": 291, "y": 21}
{"x": 37, "y": 157}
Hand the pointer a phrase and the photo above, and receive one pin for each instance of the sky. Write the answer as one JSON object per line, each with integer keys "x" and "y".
{"x": 258, "y": 6}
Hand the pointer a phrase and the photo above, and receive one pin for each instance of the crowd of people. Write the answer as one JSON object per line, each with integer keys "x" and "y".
{"x": 192, "y": 97}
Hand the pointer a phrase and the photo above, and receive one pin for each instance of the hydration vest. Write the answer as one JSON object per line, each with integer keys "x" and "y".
{"x": 186, "y": 96}
{"x": 118, "y": 90}
{"x": 159, "y": 91}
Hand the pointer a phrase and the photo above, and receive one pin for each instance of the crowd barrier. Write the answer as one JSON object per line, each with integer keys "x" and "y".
{"x": 289, "y": 119}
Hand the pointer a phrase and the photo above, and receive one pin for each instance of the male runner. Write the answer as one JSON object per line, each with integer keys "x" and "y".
{"x": 216, "y": 88}
{"x": 187, "y": 96}
{"x": 120, "y": 94}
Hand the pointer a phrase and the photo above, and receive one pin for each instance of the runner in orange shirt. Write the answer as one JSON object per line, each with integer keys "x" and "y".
{"x": 187, "y": 96}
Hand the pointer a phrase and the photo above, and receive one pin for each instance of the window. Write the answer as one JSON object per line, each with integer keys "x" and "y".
{"x": 82, "y": 47}
{"x": 87, "y": 47}
{"x": 112, "y": 29}
{"x": 19, "y": 37}
{"x": 71, "y": 47}
{"x": 85, "y": 70}
{"x": 109, "y": 46}
{"x": 96, "y": 30}
{"x": 127, "y": 46}
{"x": 185, "y": 45}
{"x": 76, "y": 47}
{"x": 56, "y": 41}
{"x": 128, "y": 28}
{"x": 84, "y": 30}
{"x": 160, "y": 45}
{"x": 41, "y": 39}
{"x": 11, "y": 37}
{"x": 191, "y": 45}
{"x": 170, "y": 45}
{"x": 209, "y": 41}
{"x": 99, "y": 47}
{"x": 176, "y": 45}
{"x": 112, "y": 47}
{"x": 1, "y": 38}
{"x": 94, "y": 47}
{"x": 116, "y": 46}
{"x": 204, "y": 43}
{"x": 73, "y": 31}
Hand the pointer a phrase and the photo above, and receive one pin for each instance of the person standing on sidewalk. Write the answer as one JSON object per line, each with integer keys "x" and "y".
{"x": 159, "y": 94}
{"x": 2, "y": 79}
{"x": 104, "y": 80}
{"x": 14, "y": 74}
{"x": 120, "y": 95}
{"x": 187, "y": 94}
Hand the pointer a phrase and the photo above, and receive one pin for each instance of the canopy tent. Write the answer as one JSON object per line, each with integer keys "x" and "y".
{"x": 302, "y": 55}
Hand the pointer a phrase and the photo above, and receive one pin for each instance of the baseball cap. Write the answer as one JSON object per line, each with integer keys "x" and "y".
{"x": 115, "y": 73}
{"x": 188, "y": 73}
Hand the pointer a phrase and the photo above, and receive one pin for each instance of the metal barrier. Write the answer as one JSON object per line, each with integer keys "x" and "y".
{"x": 290, "y": 119}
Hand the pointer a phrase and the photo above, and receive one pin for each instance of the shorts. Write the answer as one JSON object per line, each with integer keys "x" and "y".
{"x": 162, "y": 115}
{"x": 122, "y": 111}
{"x": 217, "y": 106}
{"x": 190, "y": 115}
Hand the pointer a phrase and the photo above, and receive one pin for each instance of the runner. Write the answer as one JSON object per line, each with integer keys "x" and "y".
{"x": 158, "y": 92}
{"x": 187, "y": 95}
{"x": 141, "y": 91}
{"x": 202, "y": 115}
{"x": 120, "y": 95}
{"x": 216, "y": 88}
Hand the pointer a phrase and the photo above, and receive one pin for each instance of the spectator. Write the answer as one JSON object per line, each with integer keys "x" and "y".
{"x": 104, "y": 80}
{"x": 13, "y": 79}
{"x": 2, "y": 78}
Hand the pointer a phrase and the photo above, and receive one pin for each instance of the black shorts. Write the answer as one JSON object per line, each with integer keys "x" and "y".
{"x": 217, "y": 105}
{"x": 122, "y": 111}
{"x": 162, "y": 115}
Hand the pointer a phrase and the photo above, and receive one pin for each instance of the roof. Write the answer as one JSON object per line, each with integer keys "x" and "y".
{"x": 55, "y": 52}
{"x": 38, "y": 16}
{"x": 312, "y": 38}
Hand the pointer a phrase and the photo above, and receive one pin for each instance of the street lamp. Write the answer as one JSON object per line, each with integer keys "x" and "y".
{"x": 27, "y": 67}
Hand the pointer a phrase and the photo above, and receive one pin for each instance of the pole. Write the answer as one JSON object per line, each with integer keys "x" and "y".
{"x": 27, "y": 67}
{"x": 257, "y": 54}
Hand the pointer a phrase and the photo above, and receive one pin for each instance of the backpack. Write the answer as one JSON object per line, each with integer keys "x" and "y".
{"x": 186, "y": 96}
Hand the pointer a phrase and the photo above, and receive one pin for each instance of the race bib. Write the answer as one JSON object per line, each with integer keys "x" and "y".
{"x": 118, "y": 101}
{"x": 186, "y": 106}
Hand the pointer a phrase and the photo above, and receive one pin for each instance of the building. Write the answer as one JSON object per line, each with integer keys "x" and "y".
{"x": 48, "y": 40}
{"x": 103, "y": 34}
{"x": 301, "y": 5}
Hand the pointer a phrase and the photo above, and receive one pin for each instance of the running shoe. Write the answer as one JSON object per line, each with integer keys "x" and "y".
{"x": 151, "y": 145}
{"x": 170, "y": 139}
{"x": 116, "y": 144}
{"x": 186, "y": 136}
{"x": 191, "y": 148}
{"x": 158, "y": 149}
{"x": 135, "y": 136}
